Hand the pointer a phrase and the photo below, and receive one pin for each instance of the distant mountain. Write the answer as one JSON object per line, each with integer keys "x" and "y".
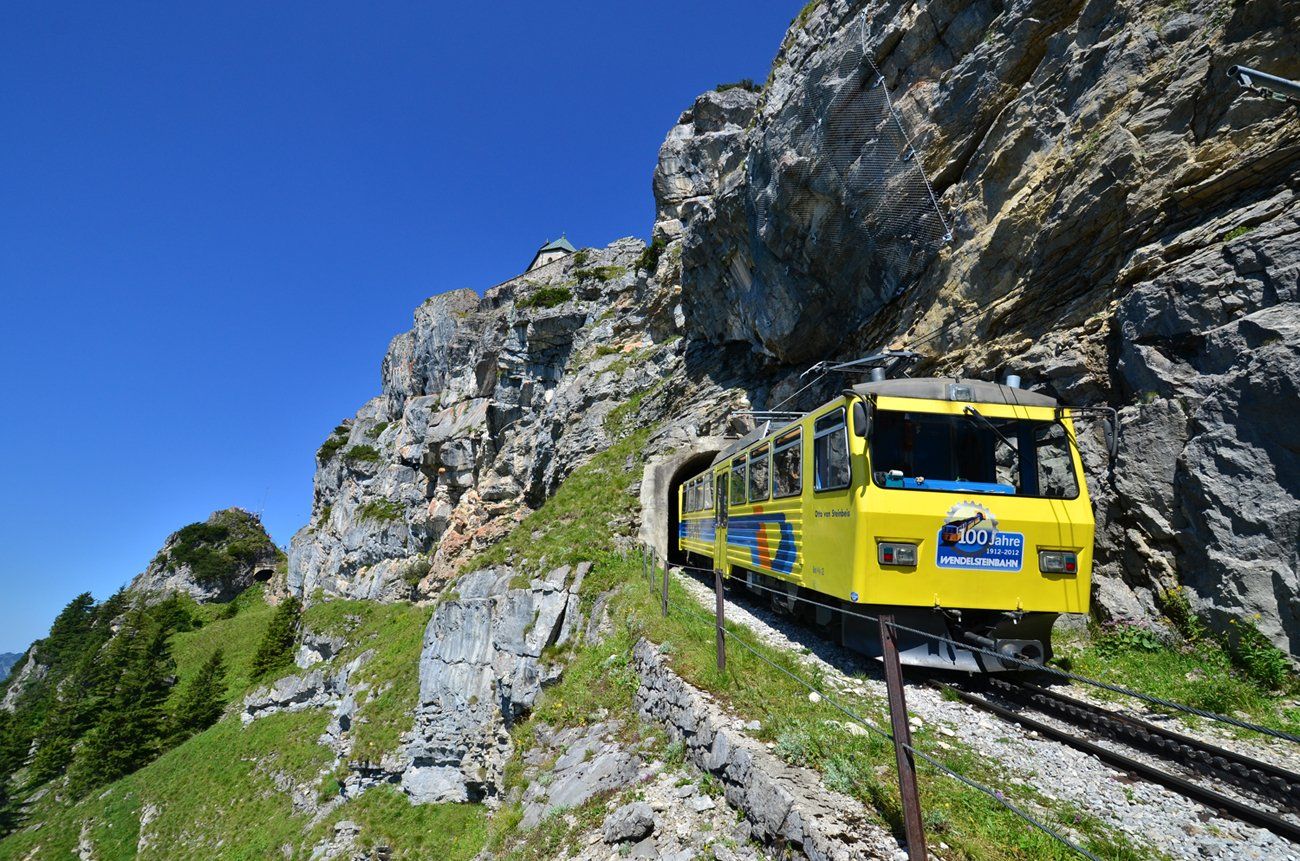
{"x": 7, "y": 661}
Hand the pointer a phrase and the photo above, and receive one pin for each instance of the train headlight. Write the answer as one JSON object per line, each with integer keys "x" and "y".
{"x": 1058, "y": 562}
{"x": 897, "y": 554}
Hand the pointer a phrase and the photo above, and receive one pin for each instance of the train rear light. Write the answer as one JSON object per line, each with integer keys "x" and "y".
{"x": 1058, "y": 562}
{"x": 897, "y": 554}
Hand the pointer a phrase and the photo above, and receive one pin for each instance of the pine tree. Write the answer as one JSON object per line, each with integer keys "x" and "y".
{"x": 54, "y": 743}
{"x": 69, "y": 632}
{"x": 276, "y": 647}
{"x": 9, "y": 811}
{"x": 131, "y": 725}
{"x": 202, "y": 699}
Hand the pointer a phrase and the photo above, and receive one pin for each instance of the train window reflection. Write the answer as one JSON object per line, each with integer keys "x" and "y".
{"x": 738, "y": 482}
{"x": 759, "y": 471}
{"x": 972, "y": 453}
{"x": 787, "y": 465}
{"x": 831, "y": 452}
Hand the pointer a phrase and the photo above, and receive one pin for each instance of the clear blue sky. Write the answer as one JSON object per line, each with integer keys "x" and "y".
{"x": 214, "y": 216}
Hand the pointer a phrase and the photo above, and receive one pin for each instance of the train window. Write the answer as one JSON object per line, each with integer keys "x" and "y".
{"x": 831, "y": 452}
{"x": 1055, "y": 467}
{"x": 706, "y": 486}
{"x": 738, "y": 481}
{"x": 686, "y": 498}
{"x": 759, "y": 474}
{"x": 972, "y": 453}
{"x": 787, "y": 465}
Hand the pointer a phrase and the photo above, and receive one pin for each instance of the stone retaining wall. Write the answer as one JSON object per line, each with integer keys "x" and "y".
{"x": 784, "y": 804}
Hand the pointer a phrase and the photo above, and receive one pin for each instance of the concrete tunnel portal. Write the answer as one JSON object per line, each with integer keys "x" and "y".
{"x": 659, "y": 484}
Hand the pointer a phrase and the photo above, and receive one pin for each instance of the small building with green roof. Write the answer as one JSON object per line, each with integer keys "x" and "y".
{"x": 550, "y": 252}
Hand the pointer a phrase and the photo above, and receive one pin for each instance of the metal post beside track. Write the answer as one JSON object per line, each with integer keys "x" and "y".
{"x": 664, "y": 599}
{"x": 720, "y": 622}
{"x": 912, "y": 825}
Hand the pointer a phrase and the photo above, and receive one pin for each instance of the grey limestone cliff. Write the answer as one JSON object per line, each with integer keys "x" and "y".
{"x": 487, "y": 404}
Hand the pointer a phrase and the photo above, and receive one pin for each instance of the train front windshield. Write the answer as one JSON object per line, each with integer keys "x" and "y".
{"x": 972, "y": 453}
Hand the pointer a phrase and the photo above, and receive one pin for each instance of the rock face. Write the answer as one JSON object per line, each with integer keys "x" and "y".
{"x": 7, "y": 662}
{"x": 632, "y": 821}
{"x": 29, "y": 673}
{"x": 212, "y": 561}
{"x": 487, "y": 404}
{"x": 481, "y": 670}
{"x": 1124, "y": 230}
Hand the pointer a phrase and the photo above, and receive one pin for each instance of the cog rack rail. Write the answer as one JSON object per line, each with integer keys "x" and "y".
{"x": 1172, "y": 745}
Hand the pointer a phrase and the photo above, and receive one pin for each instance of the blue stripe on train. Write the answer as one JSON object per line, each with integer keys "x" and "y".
{"x": 743, "y": 532}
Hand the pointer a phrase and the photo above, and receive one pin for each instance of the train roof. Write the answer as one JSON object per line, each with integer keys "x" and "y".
{"x": 969, "y": 391}
{"x": 752, "y": 437}
{"x": 923, "y": 388}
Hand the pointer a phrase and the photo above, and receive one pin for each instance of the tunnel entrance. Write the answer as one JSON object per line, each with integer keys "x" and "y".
{"x": 659, "y": 484}
{"x": 692, "y": 467}
{"x": 263, "y": 575}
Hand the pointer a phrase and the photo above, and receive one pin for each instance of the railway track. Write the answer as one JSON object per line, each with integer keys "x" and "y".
{"x": 1263, "y": 780}
{"x": 1275, "y": 786}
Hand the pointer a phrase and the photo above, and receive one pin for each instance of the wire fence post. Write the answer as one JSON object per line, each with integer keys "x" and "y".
{"x": 912, "y": 825}
{"x": 664, "y": 597}
{"x": 720, "y": 612}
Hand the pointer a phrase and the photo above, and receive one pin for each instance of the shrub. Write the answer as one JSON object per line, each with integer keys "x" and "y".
{"x": 416, "y": 571}
{"x": 546, "y": 297}
{"x": 649, "y": 259}
{"x": 805, "y": 13}
{"x": 742, "y": 84}
{"x": 1123, "y": 638}
{"x": 602, "y": 274}
{"x": 1264, "y": 662}
{"x": 378, "y": 430}
{"x": 331, "y": 446}
{"x": 580, "y": 258}
{"x": 382, "y": 510}
{"x": 362, "y": 454}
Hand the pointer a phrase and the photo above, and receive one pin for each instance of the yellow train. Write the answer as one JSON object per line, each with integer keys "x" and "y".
{"x": 960, "y": 505}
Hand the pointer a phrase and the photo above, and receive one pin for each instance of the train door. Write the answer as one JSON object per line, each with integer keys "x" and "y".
{"x": 829, "y": 522}
{"x": 720, "y": 500}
